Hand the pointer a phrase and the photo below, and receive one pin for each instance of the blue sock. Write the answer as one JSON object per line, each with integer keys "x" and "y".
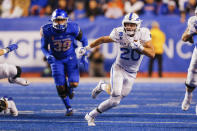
{"x": 66, "y": 102}
{"x": 70, "y": 89}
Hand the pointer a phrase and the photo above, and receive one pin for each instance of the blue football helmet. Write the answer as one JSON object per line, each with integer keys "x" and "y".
{"x": 59, "y": 19}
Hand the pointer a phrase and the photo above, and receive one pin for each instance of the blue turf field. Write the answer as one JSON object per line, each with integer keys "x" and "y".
{"x": 150, "y": 106}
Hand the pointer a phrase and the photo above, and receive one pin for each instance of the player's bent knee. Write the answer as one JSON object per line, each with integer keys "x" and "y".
{"x": 61, "y": 91}
{"x": 74, "y": 84}
{"x": 115, "y": 100}
{"x": 189, "y": 86}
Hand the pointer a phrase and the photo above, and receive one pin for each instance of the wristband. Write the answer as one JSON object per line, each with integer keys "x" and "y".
{"x": 88, "y": 47}
{"x": 6, "y": 50}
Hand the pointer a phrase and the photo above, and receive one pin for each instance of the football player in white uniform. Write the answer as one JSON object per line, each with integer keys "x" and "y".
{"x": 7, "y": 105}
{"x": 134, "y": 42}
{"x": 190, "y": 35}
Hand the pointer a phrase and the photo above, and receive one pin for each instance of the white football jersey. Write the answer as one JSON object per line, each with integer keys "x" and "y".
{"x": 192, "y": 24}
{"x": 129, "y": 59}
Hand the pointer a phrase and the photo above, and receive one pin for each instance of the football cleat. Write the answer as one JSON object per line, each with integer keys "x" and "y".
{"x": 19, "y": 81}
{"x": 97, "y": 89}
{"x": 90, "y": 120}
{"x": 69, "y": 112}
{"x": 186, "y": 102}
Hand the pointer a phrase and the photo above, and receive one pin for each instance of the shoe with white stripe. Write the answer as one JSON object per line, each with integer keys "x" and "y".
{"x": 19, "y": 81}
{"x": 187, "y": 101}
{"x": 97, "y": 90}
{"x": 90, "y": 120}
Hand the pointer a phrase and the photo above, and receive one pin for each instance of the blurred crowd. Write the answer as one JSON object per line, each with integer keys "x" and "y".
{"x": 78, "y": 9}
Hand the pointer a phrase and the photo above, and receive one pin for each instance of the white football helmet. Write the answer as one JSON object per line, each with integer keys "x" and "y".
{"x": 196, "y": 11}
{"x": 131, "y": 18}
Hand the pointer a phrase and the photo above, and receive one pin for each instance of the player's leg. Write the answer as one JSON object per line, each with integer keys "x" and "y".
{"x": 72, "y": 70}
{"x": 116, "y": 80}
{"x": 13, "y": 74}
{"x": 191, "y": 81}
{"x": 7, "y": 103}
{"x": 159, "y": 58}
{"x": 101, "y": 86}
{"x": 61, "y": 84}
{"x": 150, "y": 68}
{"x": 188, "y": 97}
{"x": 128, "y": 82}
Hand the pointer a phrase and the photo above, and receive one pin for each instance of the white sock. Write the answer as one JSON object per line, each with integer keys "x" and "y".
{"x": 106, "y": 87}
{"x": 9, "y": 104}
{"x": 94, "y": 113}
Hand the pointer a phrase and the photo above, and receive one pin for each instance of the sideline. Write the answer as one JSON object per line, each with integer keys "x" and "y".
{"x": 97, "y": 79}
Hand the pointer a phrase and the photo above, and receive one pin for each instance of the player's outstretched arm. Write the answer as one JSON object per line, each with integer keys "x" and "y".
{"x": 82, "y": 50}
{"x": 8, "y": 49}
{"x": 148, "y": 49}
{"x": 101, "y": 40}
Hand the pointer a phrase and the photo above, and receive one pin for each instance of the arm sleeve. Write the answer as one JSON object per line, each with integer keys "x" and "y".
{"x": 114, "y": 35}
{"x": 146, "y": 36}
{"x": 44, "y": 47}
{"x": 44, "y": 43}
{"x": 191, "y": 27}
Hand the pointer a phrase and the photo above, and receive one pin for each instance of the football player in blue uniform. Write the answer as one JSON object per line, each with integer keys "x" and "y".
{"x": 61, "y": 36}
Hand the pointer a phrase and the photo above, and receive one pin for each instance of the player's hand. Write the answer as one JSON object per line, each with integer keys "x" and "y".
{"x": 12, "y": 47}
{"x": 80, "y": 51}
{"x": 50, "y": 59}
{"x": 137, "y": 45}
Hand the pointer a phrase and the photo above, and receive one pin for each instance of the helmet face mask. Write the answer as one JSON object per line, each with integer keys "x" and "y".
{"x": 131, "y": 23}
{"x": 59, "y": 19}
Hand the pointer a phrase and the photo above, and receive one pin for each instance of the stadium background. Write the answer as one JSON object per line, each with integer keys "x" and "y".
{"x": 25, "y": 32}
{"x": 153, "y": 104}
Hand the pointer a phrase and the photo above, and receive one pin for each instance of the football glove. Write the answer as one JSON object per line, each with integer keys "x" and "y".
{"x": 12, "y": 47}
{"x": 80, "y": 52}
{"x": 137, "y": 45}
{"x": 50, "y": 59}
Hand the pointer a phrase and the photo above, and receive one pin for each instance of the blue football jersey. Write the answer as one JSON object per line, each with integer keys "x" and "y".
{"x": 62, "y": 43}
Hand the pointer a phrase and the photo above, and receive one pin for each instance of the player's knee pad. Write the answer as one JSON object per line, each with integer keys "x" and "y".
{"x": 3, "y": 105}
{"x": 115, "y": 100}
{"x": 190, "y": 87}
{"x": 61, "y": 91}
{"x": 19, "y": 71}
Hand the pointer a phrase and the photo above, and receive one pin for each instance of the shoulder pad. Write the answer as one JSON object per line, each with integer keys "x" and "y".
{"x": 47, "y": 28}
{"x": 191, "y": 20}
{"x": 73, "y": 27}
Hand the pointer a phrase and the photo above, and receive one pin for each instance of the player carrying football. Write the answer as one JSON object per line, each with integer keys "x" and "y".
{"x": 134, "y": 42}
{"x": 190, "y": 35}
